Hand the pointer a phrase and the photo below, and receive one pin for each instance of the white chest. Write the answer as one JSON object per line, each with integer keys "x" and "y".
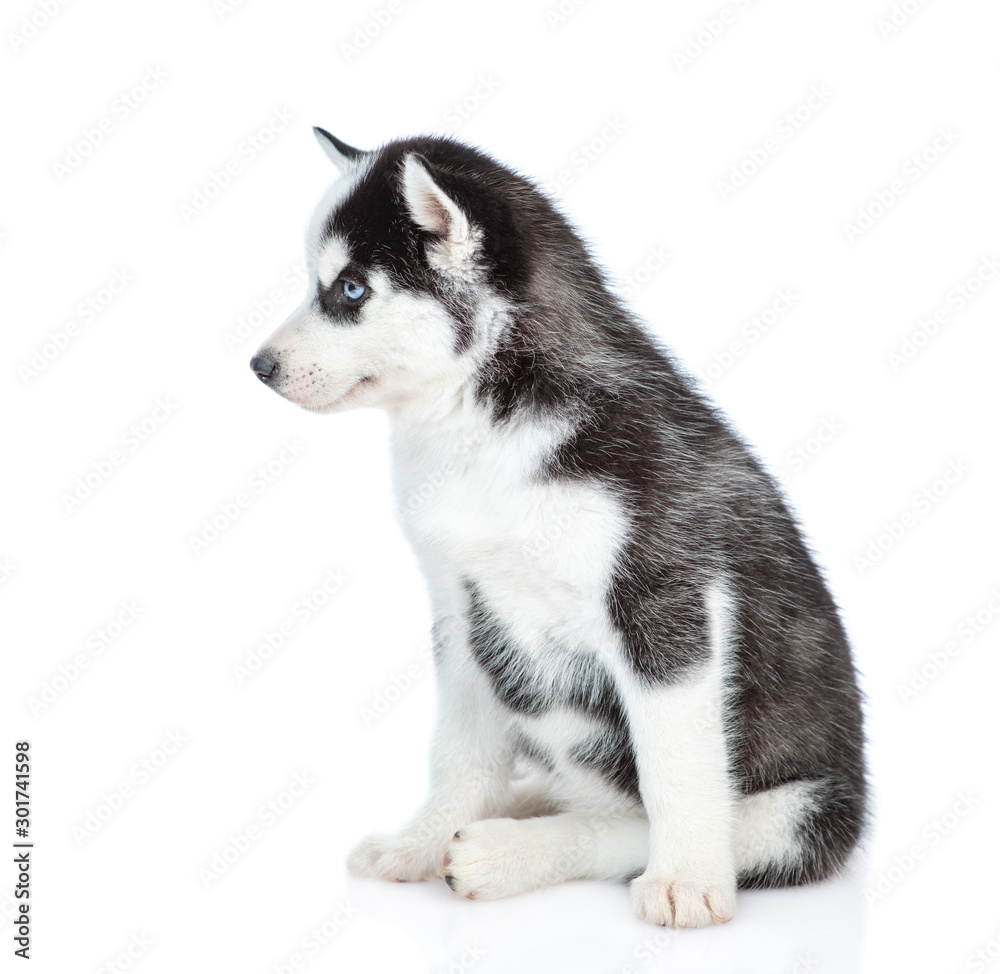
{"x": 541, "y": 550}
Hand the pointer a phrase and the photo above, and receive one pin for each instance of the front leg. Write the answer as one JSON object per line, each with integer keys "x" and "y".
{"x": 679, "y": 738}
{"x": 471, "y": 765}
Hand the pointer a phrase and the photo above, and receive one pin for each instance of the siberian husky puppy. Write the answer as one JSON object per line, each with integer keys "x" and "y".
{"x": 622, "y": 602}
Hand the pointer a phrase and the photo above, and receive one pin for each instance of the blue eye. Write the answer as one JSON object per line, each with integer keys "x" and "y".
{"x": 352, "y": 291}
{"x": 344, "y": 298}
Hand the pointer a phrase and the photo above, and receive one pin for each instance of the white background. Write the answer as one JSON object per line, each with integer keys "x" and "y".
{"x": 597, "y": 103}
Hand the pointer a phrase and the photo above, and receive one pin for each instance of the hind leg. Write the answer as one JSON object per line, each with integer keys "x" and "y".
{"x": 768, "y": 835}
{"x": 499, "y": 857}
{"x": 529, "y": 798}
{"x": 799, "y": 832}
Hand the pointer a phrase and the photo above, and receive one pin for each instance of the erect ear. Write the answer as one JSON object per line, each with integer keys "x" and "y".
{"x": 429, "y": 205}
{"x": 342, "y": 155}
{"x": 434, "y": 211}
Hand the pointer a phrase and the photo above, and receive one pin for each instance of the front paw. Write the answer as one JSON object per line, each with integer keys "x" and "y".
{"x": 396, "y": 858}
{"x": 683, "y": 901}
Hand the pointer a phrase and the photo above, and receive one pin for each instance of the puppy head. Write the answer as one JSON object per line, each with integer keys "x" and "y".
{"x": 401, "y": 287}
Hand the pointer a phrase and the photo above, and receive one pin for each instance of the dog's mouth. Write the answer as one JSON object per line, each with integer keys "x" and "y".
{"x": 345, "y": 400}
{"x": 365, "y": 382}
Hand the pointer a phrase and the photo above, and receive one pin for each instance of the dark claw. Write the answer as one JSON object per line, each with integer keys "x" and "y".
{"x": 450, "y": 880}
{"x": 458, "y": 834}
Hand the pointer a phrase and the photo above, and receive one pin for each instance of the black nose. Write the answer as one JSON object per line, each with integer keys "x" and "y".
{"x": 265, "y": 366}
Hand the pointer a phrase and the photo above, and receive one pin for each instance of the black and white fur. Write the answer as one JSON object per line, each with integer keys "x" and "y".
{"x": 622, "y": 601}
